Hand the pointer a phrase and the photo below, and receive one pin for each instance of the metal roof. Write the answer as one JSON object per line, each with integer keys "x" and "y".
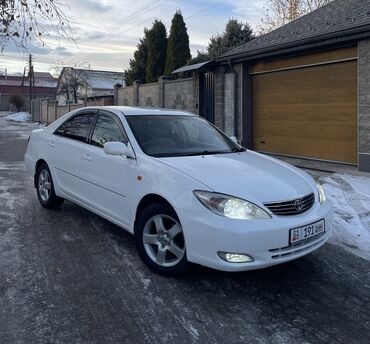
{"x": 97, "y": 79}
{"x": 189, "y": 68}
{"x": 339, "y": 18}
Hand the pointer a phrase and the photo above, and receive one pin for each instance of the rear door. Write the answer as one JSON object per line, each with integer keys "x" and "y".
{"x": 107, "y": 179}
{"x": 65, "y": 148}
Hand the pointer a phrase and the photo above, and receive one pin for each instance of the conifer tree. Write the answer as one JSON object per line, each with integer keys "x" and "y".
{"x": 157, "y": 49}
{"x": 178, "y": 50}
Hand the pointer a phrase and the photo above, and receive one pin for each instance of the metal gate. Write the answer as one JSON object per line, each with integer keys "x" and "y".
{"x": 207, "y": 96}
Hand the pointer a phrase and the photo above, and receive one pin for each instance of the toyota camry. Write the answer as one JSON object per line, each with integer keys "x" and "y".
{"x": 186, "y": 191}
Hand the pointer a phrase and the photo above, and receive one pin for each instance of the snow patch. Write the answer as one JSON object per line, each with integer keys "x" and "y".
{"x": 19, "y": 117}
{"x": 350, "y": 196}
{"x": 146, "y": 282}
{"x": 360, "y": 184}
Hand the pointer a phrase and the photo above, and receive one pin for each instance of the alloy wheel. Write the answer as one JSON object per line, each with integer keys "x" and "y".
{"x": 44, "y": 185}
{"x": 163, "y": 240}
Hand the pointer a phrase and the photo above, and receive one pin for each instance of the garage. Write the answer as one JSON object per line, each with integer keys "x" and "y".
{"x": 306, "y": 106}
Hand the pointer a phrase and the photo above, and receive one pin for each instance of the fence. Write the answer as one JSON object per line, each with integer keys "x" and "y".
{"x": 173, "y": 94}
{"x": 50, "y": 110}
{"x": 179, "y": 94}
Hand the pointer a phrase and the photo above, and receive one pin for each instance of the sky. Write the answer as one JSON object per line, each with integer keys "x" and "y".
{"x": 106, "y": 32}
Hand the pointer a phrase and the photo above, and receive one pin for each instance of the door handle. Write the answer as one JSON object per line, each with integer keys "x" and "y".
{"x": 86, "y": 157}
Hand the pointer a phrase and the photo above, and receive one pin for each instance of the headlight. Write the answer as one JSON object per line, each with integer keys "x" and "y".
{"x": 229, "y": 206}
{"x": 322, "y": 197}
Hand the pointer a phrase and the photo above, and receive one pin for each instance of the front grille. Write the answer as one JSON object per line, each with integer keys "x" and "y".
{"x": 292, "y": 207}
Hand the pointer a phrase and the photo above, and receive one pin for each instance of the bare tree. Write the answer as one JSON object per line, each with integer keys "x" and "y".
{"x": 23, "y": 20}
{"x": 281, "y": 12}
{"x": 71, "y": 80}
{"x": 75, "y": 81}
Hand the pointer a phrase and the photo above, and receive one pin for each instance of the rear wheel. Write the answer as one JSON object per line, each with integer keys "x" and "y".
{"x": 45, "y": 188}
{"x": 160, "y": 240}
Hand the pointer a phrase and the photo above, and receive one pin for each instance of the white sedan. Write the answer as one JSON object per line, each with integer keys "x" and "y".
{"x": 185, "y": 190}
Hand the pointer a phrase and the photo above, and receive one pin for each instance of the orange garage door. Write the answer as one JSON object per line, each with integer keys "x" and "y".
{"x": 307, "y": 112}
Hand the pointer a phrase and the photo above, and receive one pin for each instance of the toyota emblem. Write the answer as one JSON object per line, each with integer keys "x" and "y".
{"x": 298, "y": 204}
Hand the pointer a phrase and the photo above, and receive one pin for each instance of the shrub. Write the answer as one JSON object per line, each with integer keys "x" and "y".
{"x": 17, "y": 100}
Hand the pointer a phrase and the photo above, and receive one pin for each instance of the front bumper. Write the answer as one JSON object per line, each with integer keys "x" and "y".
{"x": 267, "y": 241}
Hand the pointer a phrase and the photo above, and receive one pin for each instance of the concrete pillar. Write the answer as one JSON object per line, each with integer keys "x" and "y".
{"x": 219, "y": 96}
{"x": 116, "y": 89}
{"x": 364, "y": 105}
{"x": 161, "y": 91}
{"x": 229, "y": 104}
{"x": 136, "y": 90}
{"x": 47, "y": 111}
{"x": 55, "y": 111}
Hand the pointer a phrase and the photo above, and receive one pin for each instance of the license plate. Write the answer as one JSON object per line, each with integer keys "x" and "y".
{"x": 306, "y": 232}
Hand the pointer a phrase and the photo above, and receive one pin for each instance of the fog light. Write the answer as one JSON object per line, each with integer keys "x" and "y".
{"x": 235, "y": 257}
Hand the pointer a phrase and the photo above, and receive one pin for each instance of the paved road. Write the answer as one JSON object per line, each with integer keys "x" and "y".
{"x": 68, "y": 276}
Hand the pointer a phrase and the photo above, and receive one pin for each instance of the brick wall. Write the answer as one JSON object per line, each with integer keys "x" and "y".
{"x": 148, "y": 95}
{"x": 178, "y": 94}
{"x": 172, "y": 94}
{"x": 364, "y": 104}
{"x": 126, "y": 96}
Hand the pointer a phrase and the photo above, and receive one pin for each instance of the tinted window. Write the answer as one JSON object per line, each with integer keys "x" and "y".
{"x": 173, "y": 135}
{"x": 106, "y": 130}
{"x": 76, "y": 128}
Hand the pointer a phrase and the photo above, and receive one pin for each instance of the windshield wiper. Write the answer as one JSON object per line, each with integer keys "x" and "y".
{"x": 206, "y": 152}
{"x": 238, "y": 150}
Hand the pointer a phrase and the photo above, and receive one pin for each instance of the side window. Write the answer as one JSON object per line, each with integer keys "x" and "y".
{"x": 106, "y": 130}
{"x": 76, "y": 128}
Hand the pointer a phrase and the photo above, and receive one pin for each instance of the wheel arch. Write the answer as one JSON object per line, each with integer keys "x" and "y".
{"x": 38, "y": 164}
{"x": 149, "y": 199}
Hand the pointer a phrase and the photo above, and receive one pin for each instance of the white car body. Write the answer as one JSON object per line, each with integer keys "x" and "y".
{"x": 113, "y": 187}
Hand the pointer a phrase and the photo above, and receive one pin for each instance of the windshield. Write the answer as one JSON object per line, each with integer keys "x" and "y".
{"x": 165, "y": 136}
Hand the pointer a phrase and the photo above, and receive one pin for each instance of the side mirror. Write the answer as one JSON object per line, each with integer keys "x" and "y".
{"x": 119, "y": 149}
{"x": 234, "y": 139}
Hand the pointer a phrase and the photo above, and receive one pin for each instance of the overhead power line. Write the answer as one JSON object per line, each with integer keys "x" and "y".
{"x": 163, "y": 11}
{"x": 133, "y": 16}
{"x": 118, "y": 10}
{"x": 205, "y": 9}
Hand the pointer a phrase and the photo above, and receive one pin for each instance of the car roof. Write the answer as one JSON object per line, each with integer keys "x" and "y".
{"x": 144, "y": 111}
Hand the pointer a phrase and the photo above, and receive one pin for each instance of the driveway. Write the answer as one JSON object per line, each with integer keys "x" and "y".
{"x": 68, "y": 276}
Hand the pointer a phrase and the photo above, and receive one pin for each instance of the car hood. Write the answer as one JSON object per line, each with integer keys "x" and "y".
{"x": 248, "y": 175}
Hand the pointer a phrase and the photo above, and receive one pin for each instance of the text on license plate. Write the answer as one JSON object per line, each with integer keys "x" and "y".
{"x": 306, "y": 232}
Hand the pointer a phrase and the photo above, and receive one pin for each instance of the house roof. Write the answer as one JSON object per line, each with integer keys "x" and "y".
{"x": 103, "y": 80}
{"x": 340, "y": 18}
{"x": 43, "y": 75}
{"x": 44, "y": 80}
{"x": 99, "y": 79}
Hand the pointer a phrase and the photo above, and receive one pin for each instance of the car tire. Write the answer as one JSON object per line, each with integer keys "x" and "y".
{"x": 45, "y": 188}
{"x": 160, "y": 240}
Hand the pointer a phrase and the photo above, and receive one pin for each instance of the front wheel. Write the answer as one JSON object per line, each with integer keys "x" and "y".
{"x": 160, "y": 240}
{"x": 45, "y": 188}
